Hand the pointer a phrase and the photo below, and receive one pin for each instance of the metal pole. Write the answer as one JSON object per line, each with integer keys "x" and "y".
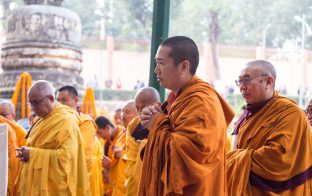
{"x": 159, "y": 33}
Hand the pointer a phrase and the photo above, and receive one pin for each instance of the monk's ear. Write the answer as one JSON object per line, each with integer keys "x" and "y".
{"x": 76, "y": 99}
{"x": 185, "y": 66}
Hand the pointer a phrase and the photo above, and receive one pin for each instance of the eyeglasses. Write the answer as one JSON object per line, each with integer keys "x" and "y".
{"x": 246, "y": 80}
{"x": 36, "y": 103}
{"x": 5, "y": 115}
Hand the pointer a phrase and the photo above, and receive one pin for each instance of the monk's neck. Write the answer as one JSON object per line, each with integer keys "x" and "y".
{"x": 183, "y": 83}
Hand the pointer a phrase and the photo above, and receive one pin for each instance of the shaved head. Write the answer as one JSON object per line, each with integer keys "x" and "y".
{"x": 128, "y": 113}
{"x": 41, "y": 97}
{"x": 42, "y": 88}
{"x": 7, "y": 110}
{"x": 145, "y": 97}
{"x": 266, "y": 66}
{"x": 8, "y": 104}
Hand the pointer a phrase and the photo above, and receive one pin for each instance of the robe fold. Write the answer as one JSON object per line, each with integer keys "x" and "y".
{"x": 13, "y": 160}
{"x": 132, "y": 150}
{"x": 56, "y": 164}
{"x": 117, "y": 169}
{"x": 273, "y": 155}
{"x": 186, "y": 149}
{"x": 97, "y": 185}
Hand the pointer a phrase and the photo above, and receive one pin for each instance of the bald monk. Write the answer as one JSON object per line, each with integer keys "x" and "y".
{"x": 186, "y": 148}
{"x": 13, "y": 164}
{"x": 7, "y": 111}
{"x": 117, "y": 164}
{"x": 68, "y": 95}
{"x": 108, "y": 133}
{"x": 136, "y": 137}
{"x": 273, "y": 155}
{"x": 309, "y": 111}
{"x": 53, "y": 162}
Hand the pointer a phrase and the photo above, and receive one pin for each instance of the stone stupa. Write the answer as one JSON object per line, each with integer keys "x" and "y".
{"x": 43, "y": 39}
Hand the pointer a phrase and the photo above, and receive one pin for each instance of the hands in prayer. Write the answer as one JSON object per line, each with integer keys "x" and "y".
{"x": 23, "y": 153}
{"x": 106, "y": 161}
{"x": 147, "y": 115}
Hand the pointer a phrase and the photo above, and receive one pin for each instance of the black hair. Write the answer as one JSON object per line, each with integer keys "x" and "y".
{"x": 183, "y": 48}
{"x": 102, "y": 122}
{"x": 72, "y": 90}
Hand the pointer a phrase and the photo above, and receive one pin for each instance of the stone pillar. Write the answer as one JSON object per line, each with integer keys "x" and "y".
{"x": 44, "y": 40}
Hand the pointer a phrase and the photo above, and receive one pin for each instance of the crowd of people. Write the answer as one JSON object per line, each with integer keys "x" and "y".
{"x": 179, "y": 147}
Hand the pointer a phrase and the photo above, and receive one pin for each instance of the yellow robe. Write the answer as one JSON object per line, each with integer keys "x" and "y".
{"x": 97, "y": 185}
{"x": 20, "y": 133}
{"x": 186, "y": 149}
{"x": 56, "y": 163}
{"x": 13, "y": 160}
{"x": 132, "y": 149}
{"x": 88, "y": 130}
{"x": 272, "y": 148}
{"x": 117, "y": 169}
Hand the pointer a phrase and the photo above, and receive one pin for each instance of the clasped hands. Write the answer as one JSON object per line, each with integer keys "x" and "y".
{"x": 148, "y": 114}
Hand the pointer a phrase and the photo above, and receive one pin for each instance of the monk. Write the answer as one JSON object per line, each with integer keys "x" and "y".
{"x": 273, "y": 154}
{"x": 309, "y": 111}
{"x": 97, "y": 185}
{"x": 108, "y": 133}
{"x": 68, "y": 95}
{"x": 116, "y": 164}
{"x": 117, "y": 117}
{"x": 53, "y": 162}
{"x": 136, "y": 137}
{"x": 13, "y": 160}
{"x": 186, "y": 148}
{"x": 7, "y": 111}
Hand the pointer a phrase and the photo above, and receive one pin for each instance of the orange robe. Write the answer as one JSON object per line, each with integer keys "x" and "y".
{"x": 273, "y": 150}
{"x": 186, "y": 149}
{"x": 117, "y": 169}
{"x": 56, "y": 164}
{"x": 131, "y": 154}
{"x": 20, "y": 133}
{"x": 13, "y": 160}
{"x": 87, "y": 128}
{"x": 97, "y": 185}
{"x": 110, "y": 154}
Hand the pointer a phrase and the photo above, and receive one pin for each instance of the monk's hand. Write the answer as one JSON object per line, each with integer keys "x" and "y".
{"x": 106, "y": 161}
{"x": 23, "y": 153}
{"x": 117, "y": 152}
{"x": 148, "y": 114}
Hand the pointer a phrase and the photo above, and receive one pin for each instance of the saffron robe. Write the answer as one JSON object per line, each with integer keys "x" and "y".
{"x": 186, "y": 149}
{"x": 20, "y": 133}
{"x": 13, "y": 164}
{"x": 131, "y": 155}
{"x": 97, "y": 185}
{"x": 117, "y": 169}
{"x": 56, "y": 164}
{"x": 274, "y": 154}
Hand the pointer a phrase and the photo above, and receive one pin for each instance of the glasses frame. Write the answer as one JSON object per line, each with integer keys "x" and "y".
{"x": 246, "y": 80}
{"x": 35, "y": 103}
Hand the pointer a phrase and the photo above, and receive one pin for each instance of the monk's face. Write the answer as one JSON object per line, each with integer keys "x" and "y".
{"x": 105, "y": 133}
{"x": 309, "y": 112}
{"x": 253, "y": 85}
{"x": 41, "y": 105}
{"x": 167, "y": 72}
{"x": 65, "y": 98}
{"x": 128, "y": 113}
{"x": 117, "y": 118}
{"x": 6, "y": 112}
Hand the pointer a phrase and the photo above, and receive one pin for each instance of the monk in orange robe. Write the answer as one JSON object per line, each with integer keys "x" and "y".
{"x": 273, "y": 154}
{"x": 136, "y": 136}
{"x": 309, "y": 111}
{"x": 186, "y": 148}
{"x": 13, "y": 166}
{"x": 109, "y": 133}
{"x": 53, "y": 162}
{"x": 7, "y": 111}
